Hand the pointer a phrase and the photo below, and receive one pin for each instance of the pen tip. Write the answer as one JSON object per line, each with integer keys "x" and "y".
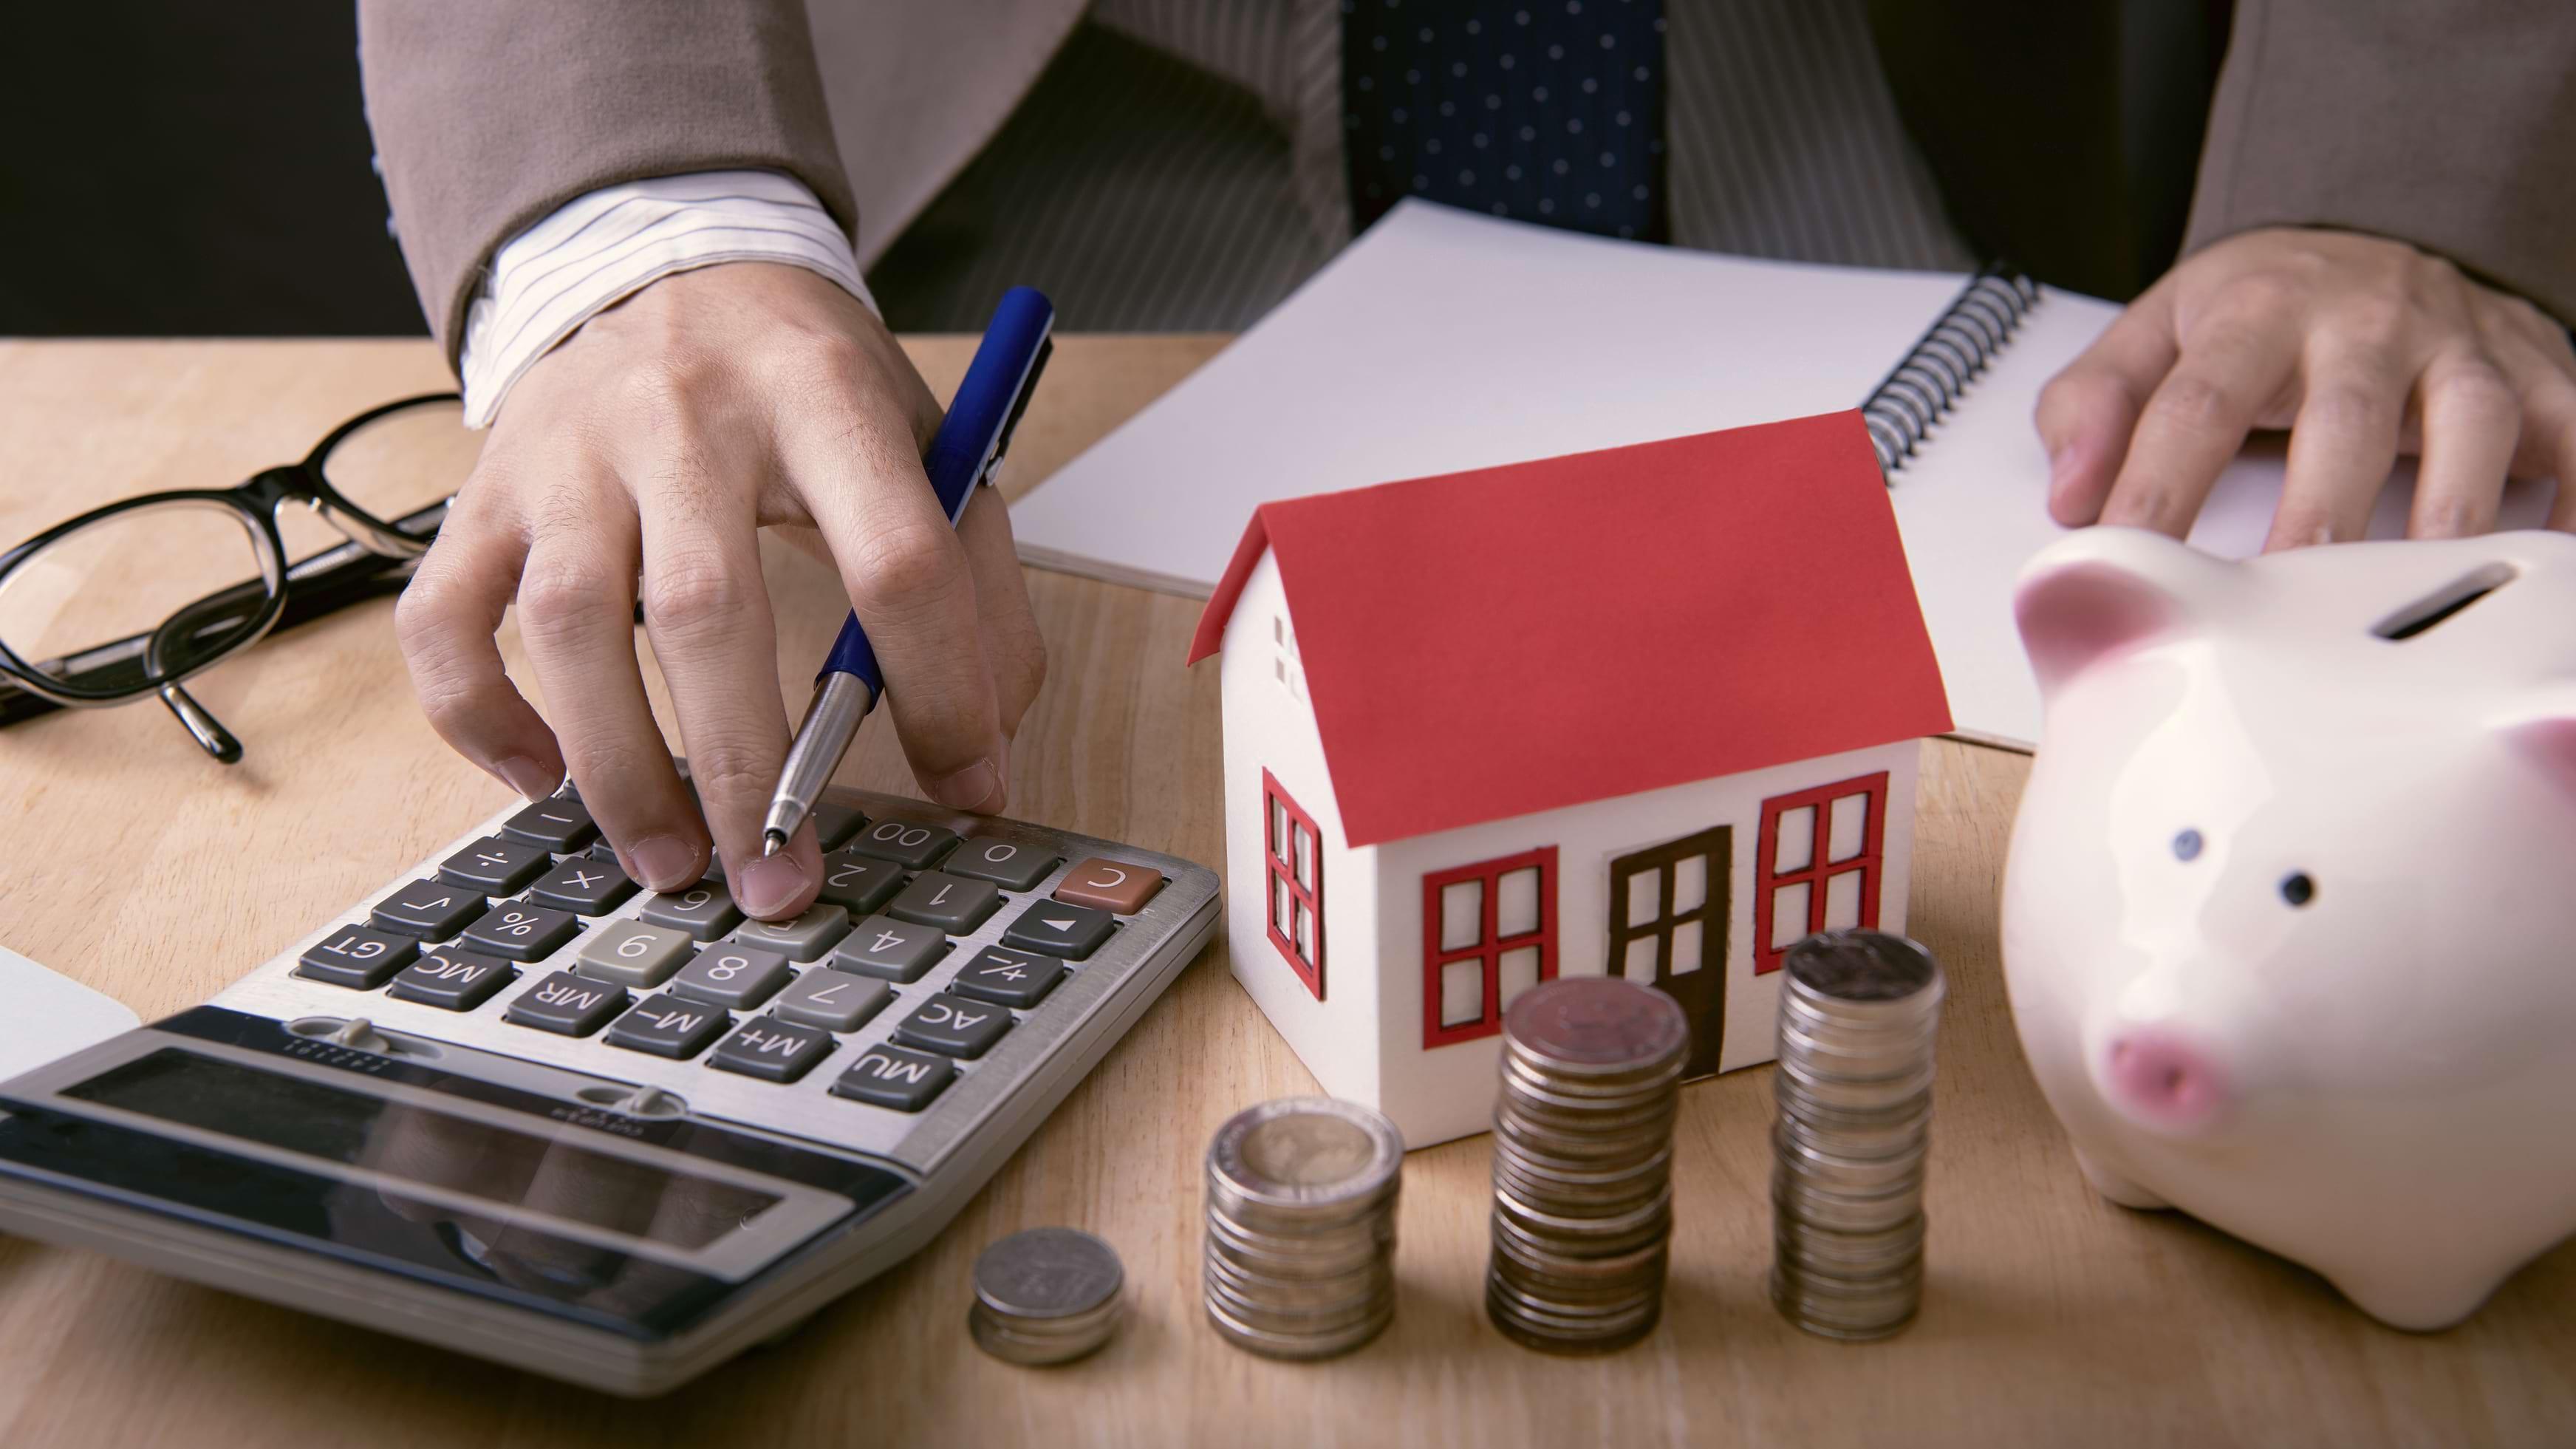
{"x": 772, "y": 841}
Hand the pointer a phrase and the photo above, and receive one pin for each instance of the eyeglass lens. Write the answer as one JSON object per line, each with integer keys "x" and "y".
{"x": 404, "y": 461}
{"x": 194, "y": 566}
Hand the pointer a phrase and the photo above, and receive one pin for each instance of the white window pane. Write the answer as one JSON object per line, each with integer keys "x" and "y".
{"x": 1278, "y": 829}
{"x": 1520, "y": 973}
{"x": 1850, "y": 827}
{"x": 1462, "y": 992}
{"x": 1278, "y": 629}
{"x": 1305, "y": 857}
{"x": 1690, "y": 884}
{"x": 1516, "y": 903}
{"x": 1788, "y": 915}
{"x": 1645, "y": 892}
{"x": 1797, "y": 840}
{"x": 1641, "y": 960}
{"x": 1282, "y": 666}
{"x": 1462, "y": 915}
{"x": 1280, "y": 904}
{"x": 1686, "y": 948}
{"x": 1305, "y": 935}
{"x": 1842, "y": 900}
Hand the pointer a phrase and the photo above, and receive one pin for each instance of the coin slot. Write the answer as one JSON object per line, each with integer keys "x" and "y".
{"x": 2440, "y": 605}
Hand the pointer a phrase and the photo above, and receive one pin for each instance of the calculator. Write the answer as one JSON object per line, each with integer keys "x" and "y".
{"x": 516, "y": 1106}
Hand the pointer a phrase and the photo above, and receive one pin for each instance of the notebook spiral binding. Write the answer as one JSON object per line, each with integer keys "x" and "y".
{"x": 1937, "y": 369}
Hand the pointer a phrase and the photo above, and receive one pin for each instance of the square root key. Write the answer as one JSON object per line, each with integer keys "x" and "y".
{"x": 521, "y": 933}
{"x": 1006, "y": 863}
{"x": 772, "y": 1050}
{"x": 887, "y": 1076}
{"x": 433, "y": 910}
{"x": 496, "y": 866}
{"x": 1057, "y": 929}
{"x": 667, "y": 1026}
{"x": 914, "y": 847}
{"x": 952, "y": 903}
{"x": 560, "y": 824}
{"x": 358, "y": 957}
{"x": 453, "y": 980}
{"x": 583, "y": 886}
{"x": 566, "y": 1005}
{"x": 832, "y": 1000}
{"x": 954, "y": 1026}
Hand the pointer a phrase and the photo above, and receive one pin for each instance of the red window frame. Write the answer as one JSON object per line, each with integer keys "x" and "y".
{"x": 1490, "y": 946}
{"x": 1279, "y": 857}
{"x": 1819, "y": 870}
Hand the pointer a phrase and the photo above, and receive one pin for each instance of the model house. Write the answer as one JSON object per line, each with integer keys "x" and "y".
{"x": 1650, "y": 711}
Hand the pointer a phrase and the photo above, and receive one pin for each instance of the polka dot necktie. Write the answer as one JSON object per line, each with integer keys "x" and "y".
{"x": 1551, "y": 112}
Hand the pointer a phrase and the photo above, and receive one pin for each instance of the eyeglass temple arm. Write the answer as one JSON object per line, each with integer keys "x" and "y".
{"x": 202, "y": 726}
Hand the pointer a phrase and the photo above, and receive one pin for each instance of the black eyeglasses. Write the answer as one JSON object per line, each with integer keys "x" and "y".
{"x": 134, "y": 598}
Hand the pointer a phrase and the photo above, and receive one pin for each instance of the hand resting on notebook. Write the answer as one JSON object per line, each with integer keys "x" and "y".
{"x": 2363, "y": 347}
{"x": 657, "y": 441}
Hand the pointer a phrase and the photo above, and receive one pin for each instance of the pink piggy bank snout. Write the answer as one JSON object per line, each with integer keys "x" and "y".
{"x": 2162, "y": 1079}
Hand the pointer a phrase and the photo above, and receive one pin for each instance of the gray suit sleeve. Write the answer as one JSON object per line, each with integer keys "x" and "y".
{"x": 489, "y": 114}
{"x": 2449, "y": 125}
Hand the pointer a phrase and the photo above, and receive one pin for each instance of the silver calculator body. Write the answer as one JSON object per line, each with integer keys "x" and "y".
{"x": 606, "y": 1216}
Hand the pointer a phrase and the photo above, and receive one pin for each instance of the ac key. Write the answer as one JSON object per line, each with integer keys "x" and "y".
{"x": 954, "y": 1026}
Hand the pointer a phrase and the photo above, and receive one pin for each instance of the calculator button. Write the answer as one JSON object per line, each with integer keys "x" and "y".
{"x": 522, "y": 933}
{"x": 857, "y": 884}
{"x": 704, "y": 911}
{"x": 631, "y": 953}
{"x": 914, "y": 847}
{"x": 558, "y": 823}
{"x": 495, "y": 866}
{"x": 452, "y": 979}
{"x": 835, "y": 824}
{"x": 892, "y": 1077}
{"x": 430, "y": 909}
{"x": 1057, "y": 929}
{"x": 801, "y": 938}
{"x": 583, "y": 886}
{"x": 1109, "y": 885}
{"x": 1006, "y": 863}
{"x": 357, "y": 956}
{"x": 566, "y": 1005}
{"x": 893, "y": 950}
{"x": 668, "y": 1026}
{"x": 1007, "y": 977}
{"x": 832, "y": 1000}
{"x": 725, "y": 974}
{"x": 776, "y": 1051}
{"x": 953, "y": 904}
{"x": 954, "y": 1026}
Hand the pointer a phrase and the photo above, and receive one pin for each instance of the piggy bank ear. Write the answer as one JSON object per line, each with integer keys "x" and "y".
{"x": 2102, "y": 592}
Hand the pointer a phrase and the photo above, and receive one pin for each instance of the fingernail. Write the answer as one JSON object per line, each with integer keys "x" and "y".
{"x": 530, "y": 779}
{"x": 767, "y": 884}
{"x": 972, "y": 788}
{"x": 2061, "y": 468}
{"x": 663, "y": 862}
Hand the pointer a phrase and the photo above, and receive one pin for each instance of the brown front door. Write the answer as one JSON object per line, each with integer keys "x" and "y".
{"x": 1668, "y": 930}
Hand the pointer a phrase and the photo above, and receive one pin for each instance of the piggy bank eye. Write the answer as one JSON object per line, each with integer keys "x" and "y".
{"x": 2298, "y": 890}
{"x": 2187, "y": 845}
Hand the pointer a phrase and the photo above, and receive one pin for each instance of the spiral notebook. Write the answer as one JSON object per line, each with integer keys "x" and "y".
{"x": 1442, "y": 341}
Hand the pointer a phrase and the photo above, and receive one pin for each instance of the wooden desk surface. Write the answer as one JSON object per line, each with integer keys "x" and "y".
{"x": 134, "y": 864}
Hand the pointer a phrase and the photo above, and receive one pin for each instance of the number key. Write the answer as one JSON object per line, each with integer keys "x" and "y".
{"x": 835, "y": 824}
{"x": 495, "y": 866}
{"x": 703, "y": 912}
{"x": 583, "y": 886}
{"x": 521, "y": 933}
{"x": 1008, "y": 864}
{"x": 953, "y": 904}
{"x": 914, "y": 847}
{"x": 954, "y": 1026}
{"x": 725, "y": 974}
{"x": 832, "y": 1000}
{"x": 894, "y": 950}
{"x": 432, "y": 910}
{"x": 1008, "y": 978}
{"x": 631, "y": 953}
{"x": 358, "y": 957}
{"x": 802, "y": 938}
{"x": 857, "y": 884}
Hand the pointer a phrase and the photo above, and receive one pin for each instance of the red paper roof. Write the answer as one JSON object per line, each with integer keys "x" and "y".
{"x": 1484, "y": 645}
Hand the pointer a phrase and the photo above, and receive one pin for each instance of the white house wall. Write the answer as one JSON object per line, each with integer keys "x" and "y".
{"x": 1448, "y": 1091}
{"x": 1271, "y": 725}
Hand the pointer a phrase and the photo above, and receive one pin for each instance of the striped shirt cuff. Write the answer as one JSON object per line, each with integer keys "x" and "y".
{"x": 599, "y": 248}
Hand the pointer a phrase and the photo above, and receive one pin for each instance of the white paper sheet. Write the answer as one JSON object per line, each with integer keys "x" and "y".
{"x": 1442, "y": 340}
{"x": 45, "y": 1015}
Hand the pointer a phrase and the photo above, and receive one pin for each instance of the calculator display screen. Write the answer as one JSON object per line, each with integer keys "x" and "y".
{"x": 515, "y": 1172}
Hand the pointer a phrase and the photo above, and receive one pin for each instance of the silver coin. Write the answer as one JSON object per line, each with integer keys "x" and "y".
{"x": 994, "y": 1336}
{"x": 1597, "y": 1025}
{"x": 1047, "y": 1273}
{"x": 1296, "y": 1345}
{"x": 1306, "y": 1152}
{"x": 1861, "y": 967}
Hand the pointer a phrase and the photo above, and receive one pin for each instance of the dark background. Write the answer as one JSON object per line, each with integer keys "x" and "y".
{"x": 202, "y": 168}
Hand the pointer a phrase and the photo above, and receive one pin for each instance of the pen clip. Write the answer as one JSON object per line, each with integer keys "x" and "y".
{"x": 1019, "y": 408}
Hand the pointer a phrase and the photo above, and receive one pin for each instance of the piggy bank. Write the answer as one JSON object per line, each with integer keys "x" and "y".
{"x": 2289, "y": 922}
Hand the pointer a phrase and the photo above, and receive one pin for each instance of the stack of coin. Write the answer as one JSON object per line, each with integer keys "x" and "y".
{"x": 1858, "y": 1011}
{"x": 1300, "y": 1252}
{"x": 1583, "y": 1152}
{"x": 1046, "y": 1295}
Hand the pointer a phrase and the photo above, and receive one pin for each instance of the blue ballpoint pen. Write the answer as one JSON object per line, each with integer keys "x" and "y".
{"x": 963, "y": 453}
